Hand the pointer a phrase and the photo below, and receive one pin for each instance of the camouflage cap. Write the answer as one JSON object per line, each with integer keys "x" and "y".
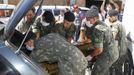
{"x": 113, "y": 13}
{"x": 94, "y": 7}
{"x": 92, "y": 13}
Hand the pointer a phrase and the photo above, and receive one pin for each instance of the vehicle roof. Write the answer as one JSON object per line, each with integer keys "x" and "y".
{"x": 60, "y": 7}
{"x": 7, "y": 6}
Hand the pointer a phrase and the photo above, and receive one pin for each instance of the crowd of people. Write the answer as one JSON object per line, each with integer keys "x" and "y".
{"x": 52, "y": 40}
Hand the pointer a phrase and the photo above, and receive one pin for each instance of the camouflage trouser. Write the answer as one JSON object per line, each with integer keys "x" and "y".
{"x": 104, "y": 62}
{"x": 117, "y": 67}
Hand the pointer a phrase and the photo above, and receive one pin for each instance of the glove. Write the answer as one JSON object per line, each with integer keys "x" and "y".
{"x": 89, "y": 58}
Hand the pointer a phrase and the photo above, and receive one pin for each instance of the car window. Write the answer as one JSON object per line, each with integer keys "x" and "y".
{"x": 6, "y": 68}
{"x": 4, "y": 13}
{"x": 17, "y": 38}
{"x": 6, "y": 10}
{"x": 56, "y": 12}
{"x": 47, "y": 10}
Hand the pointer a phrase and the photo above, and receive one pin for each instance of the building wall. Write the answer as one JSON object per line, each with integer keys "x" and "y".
{"x": 50, "y": 2}
{"x": 1, "y": 1}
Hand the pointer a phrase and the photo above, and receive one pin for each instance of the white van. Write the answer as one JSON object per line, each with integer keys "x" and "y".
{"x": 55, "y": 9}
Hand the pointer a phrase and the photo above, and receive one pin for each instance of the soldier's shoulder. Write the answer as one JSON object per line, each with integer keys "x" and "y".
{"x": 119, "y": 23}
{"x": 59, "y": 24}
{"x": 101, "y": 27}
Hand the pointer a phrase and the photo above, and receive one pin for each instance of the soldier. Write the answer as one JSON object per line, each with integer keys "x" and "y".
{"x": 44, "y": 24}
{"x": 54, "y": 48}
{"x": 85, "y": 28}
{"x": 67, "y": 28}
{"x": 120, "y": 39}
{"x": 104, "y": 45}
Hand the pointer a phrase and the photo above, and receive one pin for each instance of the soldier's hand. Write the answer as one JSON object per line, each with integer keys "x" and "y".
{"x": 89, "y": 58}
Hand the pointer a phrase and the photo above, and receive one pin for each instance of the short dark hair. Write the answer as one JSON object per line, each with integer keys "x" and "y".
{"x": 33, "y": 9}
{"x": 48, "y": 16}
{"x": 113, "y": 13}
{"x": 69, "y": 16}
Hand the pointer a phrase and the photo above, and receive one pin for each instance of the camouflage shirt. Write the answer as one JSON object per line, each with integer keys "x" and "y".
{"x": 88, "y": 30}
{"x": 43, "y": 30}
{"x": 59, "y": 28}
{"x": 54, "y": 48}
{"x": 101, "y": 37}
{"x": 118, "y": 28}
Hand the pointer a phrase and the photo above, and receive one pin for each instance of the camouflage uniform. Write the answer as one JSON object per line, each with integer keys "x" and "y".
{"x": 118, "y": 28}
{"x": 88, "y": 30}
{"x": 43, "y": 30}
{"x": 59, "y": 28}
{"x": 54, "y": 48}
{"x": 102, "y": 38}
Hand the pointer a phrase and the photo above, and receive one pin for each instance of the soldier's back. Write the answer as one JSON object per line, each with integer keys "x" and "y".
{"x": 54, "y": 48}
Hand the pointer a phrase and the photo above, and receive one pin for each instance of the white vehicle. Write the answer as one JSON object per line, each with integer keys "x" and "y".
{"x": 128, "y": 22}
{"x": 55, "y": 9}
{"x": 5, "y": 12}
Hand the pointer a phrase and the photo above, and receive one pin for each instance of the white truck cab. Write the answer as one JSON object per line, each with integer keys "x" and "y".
{"x": 128, "y": 22}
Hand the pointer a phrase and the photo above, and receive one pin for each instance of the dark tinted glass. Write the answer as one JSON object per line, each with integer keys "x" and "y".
{"x": 56, "y": 12}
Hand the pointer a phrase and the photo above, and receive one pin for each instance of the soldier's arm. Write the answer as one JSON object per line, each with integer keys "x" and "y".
{"x": 97, "y": 52}
{"x": 37, "y": 35}
{"x": 115, "y": 4}
{"x": 102, "y": 8}
{"x": 70, "y": 34}
{"x": 69, "y": 39}
{"x": 36, "y": 29}
{"x": 82, "y": 31}
{"x": 98, "y": 43}
{"x": 82, "y": 34}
